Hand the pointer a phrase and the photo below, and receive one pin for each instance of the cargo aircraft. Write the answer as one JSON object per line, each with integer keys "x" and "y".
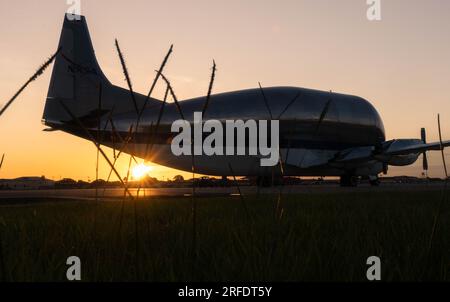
{"x": 321, "y": 133}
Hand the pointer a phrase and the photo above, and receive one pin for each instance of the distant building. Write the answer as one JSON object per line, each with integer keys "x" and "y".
{"x": 26, "y": 183}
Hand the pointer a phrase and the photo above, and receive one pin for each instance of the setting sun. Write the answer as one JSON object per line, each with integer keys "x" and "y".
{"x": 140, "y": 171}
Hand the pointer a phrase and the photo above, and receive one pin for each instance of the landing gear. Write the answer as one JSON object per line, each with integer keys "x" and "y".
{"x": 269, "y": 181}
{"x": 374, "y": 181}
{"x": 263, "y": 181}
{"x": 349, "y": 181}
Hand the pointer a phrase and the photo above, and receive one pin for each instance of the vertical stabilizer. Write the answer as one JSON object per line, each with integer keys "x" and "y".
{"x": 76, "y": 76}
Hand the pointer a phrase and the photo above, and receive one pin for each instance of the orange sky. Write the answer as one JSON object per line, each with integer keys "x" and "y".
{"x": 401, "y": 63}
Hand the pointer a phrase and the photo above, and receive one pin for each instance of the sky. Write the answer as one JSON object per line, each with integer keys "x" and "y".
{"x": 400, "y": 64}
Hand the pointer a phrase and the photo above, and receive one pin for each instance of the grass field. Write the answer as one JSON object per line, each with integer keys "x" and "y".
{"x": 320, "y": 237}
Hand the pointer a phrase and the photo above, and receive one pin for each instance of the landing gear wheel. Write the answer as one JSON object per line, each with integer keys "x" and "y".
{"x": 264, "y": 181}
{"x": 349, "y": 181}
{"x": 374, "y": 182}
{"x": 269, "y": 181}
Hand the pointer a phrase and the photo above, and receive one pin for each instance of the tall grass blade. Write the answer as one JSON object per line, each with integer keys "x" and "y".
{"x": 297, "y": 96}
{"x": 92, "y": 138}
{"x": 211, "y": 83}
{"x": 265, "y": 101}
{"x": 441, "y": 202}
{"x": 127, "y": 76}
{"x": 158, "y": 74}
{"x": 1, "y": 161}
{"x": 239, "y": 191}
{"x": 175, "y": 99}
{"x": 38, "y": 73}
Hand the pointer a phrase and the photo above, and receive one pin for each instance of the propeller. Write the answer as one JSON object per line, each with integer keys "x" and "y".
{"x": 442, "y": 147}
{"x": 423, "y": 135}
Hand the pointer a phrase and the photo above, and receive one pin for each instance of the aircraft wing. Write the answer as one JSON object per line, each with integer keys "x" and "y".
{"x": 398, "y": 149}
{"x": 304, "y": 158}
{"x": 391, "y": 148}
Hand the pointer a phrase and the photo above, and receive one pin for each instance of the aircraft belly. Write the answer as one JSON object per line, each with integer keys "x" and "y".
{"x": 244, "y": 165}
{"x": 307, "y": 158}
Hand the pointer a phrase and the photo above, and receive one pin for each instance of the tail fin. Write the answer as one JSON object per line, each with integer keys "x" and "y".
{"x": 76, "y": 76}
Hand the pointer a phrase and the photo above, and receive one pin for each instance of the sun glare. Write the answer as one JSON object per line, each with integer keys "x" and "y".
{"x": 140, "y": 171}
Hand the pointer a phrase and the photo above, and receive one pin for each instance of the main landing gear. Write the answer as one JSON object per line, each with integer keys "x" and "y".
{"x": 269, "y": 181}
{"x": 352, "y": 181}
{"x": 349, "y": 181}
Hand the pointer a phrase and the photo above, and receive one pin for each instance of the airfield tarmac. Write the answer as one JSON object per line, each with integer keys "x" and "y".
{"x": 118, "y": 193}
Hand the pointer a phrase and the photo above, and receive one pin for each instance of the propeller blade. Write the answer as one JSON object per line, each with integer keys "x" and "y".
{"x": 423, "y": 135}
{"x": 442, "y": 147}
{"x": 425, "y": 162}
